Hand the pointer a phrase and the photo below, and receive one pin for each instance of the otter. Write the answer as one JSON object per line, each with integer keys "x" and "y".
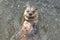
{"x": 30, "y": 29}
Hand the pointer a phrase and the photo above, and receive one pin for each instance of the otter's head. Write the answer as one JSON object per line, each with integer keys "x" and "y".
{"x": 30, "y": 13}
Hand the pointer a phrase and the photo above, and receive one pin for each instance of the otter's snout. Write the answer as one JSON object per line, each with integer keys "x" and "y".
{"x": 30, "y": 14}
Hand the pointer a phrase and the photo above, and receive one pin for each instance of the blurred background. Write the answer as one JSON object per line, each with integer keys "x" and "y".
{"x": 11, "y": 10}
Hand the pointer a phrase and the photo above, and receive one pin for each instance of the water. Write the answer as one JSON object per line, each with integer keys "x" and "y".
{"x": 11, "y": 10}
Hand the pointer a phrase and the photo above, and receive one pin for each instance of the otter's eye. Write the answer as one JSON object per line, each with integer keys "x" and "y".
{"x": 33, "y": 11}
{"x": 27, "y": 11}
{"x": 36, "y": 9}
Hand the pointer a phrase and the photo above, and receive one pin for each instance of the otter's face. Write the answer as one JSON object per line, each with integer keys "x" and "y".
{"x": 30, "y": 12}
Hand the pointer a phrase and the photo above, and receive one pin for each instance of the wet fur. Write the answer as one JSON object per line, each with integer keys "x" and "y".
{"x": 30, "y": 30}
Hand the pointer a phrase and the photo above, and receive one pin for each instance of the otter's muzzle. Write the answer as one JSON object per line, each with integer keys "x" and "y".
{"x": 30, "y": 14}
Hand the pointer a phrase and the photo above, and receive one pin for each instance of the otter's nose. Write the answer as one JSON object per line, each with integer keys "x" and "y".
{"x": 30, "y": 14}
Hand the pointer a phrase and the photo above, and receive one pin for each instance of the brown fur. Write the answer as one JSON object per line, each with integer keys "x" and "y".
{"x": 29, "y": 24}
